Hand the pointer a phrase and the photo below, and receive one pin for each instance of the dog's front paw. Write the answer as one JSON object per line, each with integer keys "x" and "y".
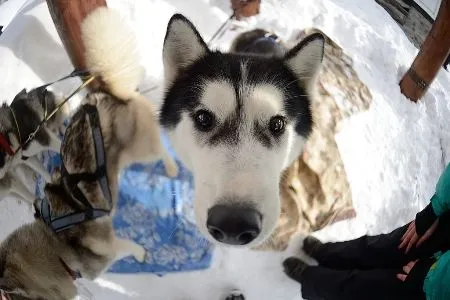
{"x": 140, "y": 254}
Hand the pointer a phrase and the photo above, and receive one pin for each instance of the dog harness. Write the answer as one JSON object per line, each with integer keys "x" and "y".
{"x": 70, "y": 183}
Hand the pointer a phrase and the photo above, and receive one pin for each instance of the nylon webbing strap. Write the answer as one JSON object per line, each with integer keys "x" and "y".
{"x": 71, "y": 183}
{"x": 67, "y": 221}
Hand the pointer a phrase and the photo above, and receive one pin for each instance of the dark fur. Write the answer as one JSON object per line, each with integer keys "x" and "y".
{"x": 265, "y": 65}
{"x": 29, "y": 110}
{"x": 182, "y": 97}
{"x": 253, "y": 42}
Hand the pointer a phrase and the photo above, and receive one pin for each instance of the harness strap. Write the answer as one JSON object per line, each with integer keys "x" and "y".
{"x": 75, "y": 73}
{"x": 5, "y": 145}
{"x": 100, "y": 174}
{"x": 67, "y": 221}
{"x": 99, "y": 152}
{"x": 71, "y": 181}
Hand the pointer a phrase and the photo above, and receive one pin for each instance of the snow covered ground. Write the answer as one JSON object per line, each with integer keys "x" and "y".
{"x": 393, "y": 153}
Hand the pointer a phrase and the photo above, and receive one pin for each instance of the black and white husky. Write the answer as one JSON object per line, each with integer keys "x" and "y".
{"x": 17, "y": 121}
{"x": 237, "y": 120}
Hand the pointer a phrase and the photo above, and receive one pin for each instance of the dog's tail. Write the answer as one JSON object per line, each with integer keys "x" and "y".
{"x": 111, "y": 52}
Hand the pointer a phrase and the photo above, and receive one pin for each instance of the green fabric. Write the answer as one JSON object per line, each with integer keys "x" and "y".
{"x": 437, "y": 282}
{"x": 441, "y": 199}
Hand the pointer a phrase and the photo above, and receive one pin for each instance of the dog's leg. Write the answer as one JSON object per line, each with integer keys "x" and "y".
{"x": 35, "y": 164}
{"x": 169, "y": 164}
{"x": 126, "y": 248}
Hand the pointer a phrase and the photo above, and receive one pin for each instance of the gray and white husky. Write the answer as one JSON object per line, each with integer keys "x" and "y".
{"x": 17, "y": 121}
{"x": 237, "y": 120}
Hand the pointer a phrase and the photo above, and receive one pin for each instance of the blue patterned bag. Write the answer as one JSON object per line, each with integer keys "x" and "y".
{"x": 156, "y": 212}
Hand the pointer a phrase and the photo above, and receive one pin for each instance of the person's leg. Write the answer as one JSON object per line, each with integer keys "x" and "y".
{"x": 320, "y": 283}
{"x": 379, "y": 251}
{"x": 366, "y": 252}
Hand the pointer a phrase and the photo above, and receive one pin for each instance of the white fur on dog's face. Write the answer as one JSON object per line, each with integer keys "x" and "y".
{"x": 247, "y": 170}
{"x": 239, "y": 161}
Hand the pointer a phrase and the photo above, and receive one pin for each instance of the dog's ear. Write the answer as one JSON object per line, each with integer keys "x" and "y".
{"x": 183, "y": 45}
{"x": 306, "y": 58}
{"x": 22, "y": 94}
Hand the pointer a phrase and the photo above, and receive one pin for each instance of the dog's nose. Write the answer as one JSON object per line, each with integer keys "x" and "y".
{"x": 233, "y": 225}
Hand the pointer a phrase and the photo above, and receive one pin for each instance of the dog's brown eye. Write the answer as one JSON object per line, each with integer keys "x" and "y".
{"x": 277, "y": 125}
{"x": 204, "y": 120}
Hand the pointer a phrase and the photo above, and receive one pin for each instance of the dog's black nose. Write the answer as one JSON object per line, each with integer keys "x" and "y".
{"x": 233, "y": 225}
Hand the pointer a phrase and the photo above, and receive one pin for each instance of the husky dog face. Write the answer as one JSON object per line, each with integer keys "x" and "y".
{"x": 237, "y": 121}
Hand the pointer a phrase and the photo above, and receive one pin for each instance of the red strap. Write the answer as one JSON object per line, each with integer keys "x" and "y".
{"x": 4, "y": 144}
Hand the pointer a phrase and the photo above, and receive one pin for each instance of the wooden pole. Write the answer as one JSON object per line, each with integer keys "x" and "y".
{"x": 67, "y": 16}
{"x": 431, "y": 57}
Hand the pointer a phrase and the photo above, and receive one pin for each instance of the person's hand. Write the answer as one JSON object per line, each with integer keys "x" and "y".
{"x": 407, "y": 269}
{"x": 412, "y": 239}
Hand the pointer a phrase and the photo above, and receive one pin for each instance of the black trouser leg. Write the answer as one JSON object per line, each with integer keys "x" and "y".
{"x": 366, "y": 252}
{"x": 381, "y": 251}
{"x": 319, "y": 283}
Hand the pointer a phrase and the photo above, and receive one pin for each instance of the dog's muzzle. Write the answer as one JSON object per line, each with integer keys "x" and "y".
{"x": 234, "y": 225}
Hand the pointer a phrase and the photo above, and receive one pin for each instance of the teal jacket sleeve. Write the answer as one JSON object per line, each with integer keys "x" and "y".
{"x": 440, "y": 203}
{"x": 441, "y": 198}
{"x": 436, "y": 285}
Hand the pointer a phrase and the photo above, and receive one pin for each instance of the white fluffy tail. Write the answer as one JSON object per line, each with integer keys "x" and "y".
{"x": 111, "y": 52}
